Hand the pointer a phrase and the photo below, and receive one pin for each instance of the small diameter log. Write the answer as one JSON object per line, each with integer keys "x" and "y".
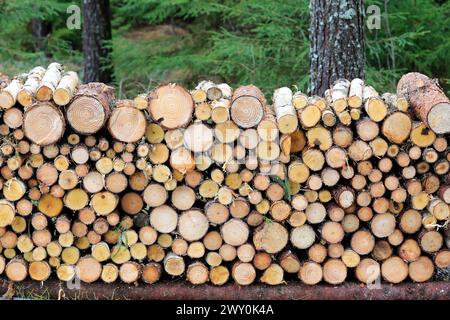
{"x": 151, "y": 272}
{"x": 431, "y": 241}
{"x": 226, "y": 90}
{"x": 396, "y": 102}
{"x": 39, "y": 270}
{"x": 368, "y": 271}
{"x": 421, "y": 270}
{"x": 334, "y": 271}
{"x": 247, "y": 107}
{"x": 427, "y": 99}
{"x": 127, "y": 124}
{"x": 315, "y": 212}
{"x": 303, "y": 237}
{"x": 273, "y": 275}
{"x": 299, "y": 100}
{"x": 235, "y": 232}
{"x": 332, "y": 232}
{"x": 198, "y": 137}
{"x": 216, "y": 212}
{"x": 65, "y": 272}
{"x": 141, "y": 102}
{"x": 310, "y": 116}
{"x": 183, "y": 198}
{"x": 219, "y": 275}
{"x": 43, "y": 123}
{"x": 49, "y": 82}
{"x": 310, "y": 273}
{"x": 13, "y": 189}
{"x": 90, "y": 107}
{"x": 394, "y": 270}
{"x": 270, "y": 237}
{"x": 164, "y": 219}
{"x": 439, "y": 209}
{"x": 374, "y": 106}
{"x": 284, "y": 110}
{"x": 243, "y": 273}
{"x": 16, "y": 269}
{"x": 320, "y": 137}
{"x": 220, "y": 110}
{"x": 130, "y": 272}
{"x": 8, "y": 95}
{"x": 409, "y": 250}
{"x": 344, "y": 196}
{"x": 411, "y": 221}
{"x": 13, "y": 118}
{"x": 422, "y": 136}
{"x": 171, "y": 106}
{"x": 367, "y": 129}
{"x": 104, "y": 202}
{"x": 339, "y": 93}
{"x": 66, "y": 88}
{"x": 396, "y": 127}
{"x": 47, "y": 174}
{"x": 93, "y": 182}
{"x": 7, "y": 213}
{"x": 182, "y": 160}
{"x": 26, "y": 95}
{"x": 442, "y": 259}
{"x": 76, "y": 199}
{"x": 383, "y": 225}
{"x": 197, "y": 273}
{"x": 213, "y": 91}
{"x": 110, "y": 273}
{"x": 350, "y": 258}
{"x": 289, "y": 262}
{"x": 355, "y": 95}
{"x": 174, "y": 265}
{"x": 89, "y": 269}
{"x": 362, "y": 242}
{"x": 267, "y": 128}
{"x": 192, "y": 225}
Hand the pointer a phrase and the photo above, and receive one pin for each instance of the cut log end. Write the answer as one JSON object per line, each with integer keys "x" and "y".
{"x": 43, "y": 124}
{"x": 439, "y": 118}
{"x": 171, "y": 106}
{"x": 86, "y": 115}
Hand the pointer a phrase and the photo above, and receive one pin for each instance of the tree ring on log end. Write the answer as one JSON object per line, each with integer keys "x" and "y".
{"x": 247, "y": 111}
{"x": 127, "y": 124}
{"x": 439, "y": 118}
{"x": 86, "y": 115}
{"x": 171, "y": 106}
{"x": 43, "y": 124}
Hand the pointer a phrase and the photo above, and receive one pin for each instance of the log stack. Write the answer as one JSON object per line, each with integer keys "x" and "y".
{"x": 216, "y": 185}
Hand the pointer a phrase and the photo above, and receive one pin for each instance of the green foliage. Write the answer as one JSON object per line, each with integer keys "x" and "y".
{"x": 264, "y": 42}
{"x": 255, "y": 41}
{"x": 414, "y": 36}
{"x": 17, "y": 49}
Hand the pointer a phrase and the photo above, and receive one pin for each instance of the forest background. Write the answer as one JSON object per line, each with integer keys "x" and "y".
{"x": 261, "y": 42}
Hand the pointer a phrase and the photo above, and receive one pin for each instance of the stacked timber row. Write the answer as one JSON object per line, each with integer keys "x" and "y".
{"x": 218, "y": 185}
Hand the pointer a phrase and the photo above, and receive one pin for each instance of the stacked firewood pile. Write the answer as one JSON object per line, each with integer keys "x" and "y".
{"x": 215, "y": 185}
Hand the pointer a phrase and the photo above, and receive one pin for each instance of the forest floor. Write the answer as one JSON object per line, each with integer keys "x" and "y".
{"x": 172, "y": 290}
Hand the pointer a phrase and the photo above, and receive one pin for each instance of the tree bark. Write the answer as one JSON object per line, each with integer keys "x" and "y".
{"x": 97, "y": 30}
{"x": 337, "y": 45}
{"x": 40, "y": 29}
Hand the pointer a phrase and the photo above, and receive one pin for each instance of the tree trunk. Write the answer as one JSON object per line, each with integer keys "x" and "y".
{"x": 96, "y": 30}
{"x": 40, "y": 30}
{"x": 337, "y": 48}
